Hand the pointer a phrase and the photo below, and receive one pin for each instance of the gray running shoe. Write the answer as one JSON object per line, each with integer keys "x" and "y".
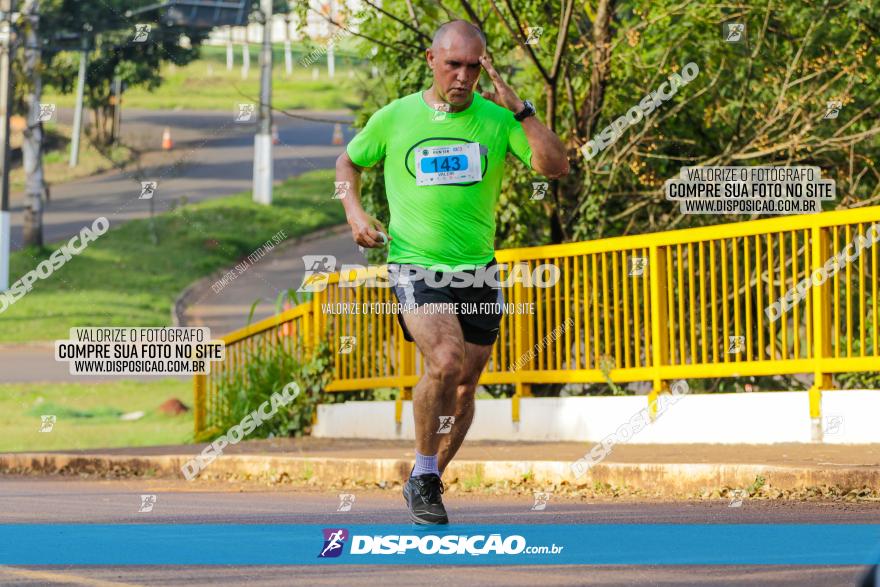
{"x": 422, "y": 495}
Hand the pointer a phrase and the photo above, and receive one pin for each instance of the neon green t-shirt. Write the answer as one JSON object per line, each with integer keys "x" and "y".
{"x": 447, "y": 225}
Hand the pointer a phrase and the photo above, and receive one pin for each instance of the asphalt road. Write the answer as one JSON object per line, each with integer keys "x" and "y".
{"x": 212, "y": 158}
{"x": 35, "y": 363}
{"x": 75, "y": 501}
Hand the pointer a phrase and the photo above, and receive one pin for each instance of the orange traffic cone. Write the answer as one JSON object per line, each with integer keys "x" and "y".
{"x": 337, "y": 135}
{"x": 167, "y": 143}
{"x": 276, "y": 140}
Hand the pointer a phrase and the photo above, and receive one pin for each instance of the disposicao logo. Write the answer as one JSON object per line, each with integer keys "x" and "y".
{"x": 451, "y": 544}
{"x": 334, "y": 540}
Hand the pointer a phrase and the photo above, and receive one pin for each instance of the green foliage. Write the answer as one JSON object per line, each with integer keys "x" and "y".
{"x": 756, "y": 486}
{"x": 267, "y": 369}
{"x": 497, "y": 391}
{"x": 757, "y": 103}
{"x": 380, "y": 394}
{"x": 859, "y": 380}
{"x": 606, "y": 364}
{"x": 746, "y": 107}
{"x": 62, "y": 411}
{"x": 108, "y": 32}
{"x": 207, "y": 85}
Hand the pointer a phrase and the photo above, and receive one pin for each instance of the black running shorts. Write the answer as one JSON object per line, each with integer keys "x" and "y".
{"x": 479, "y": 307}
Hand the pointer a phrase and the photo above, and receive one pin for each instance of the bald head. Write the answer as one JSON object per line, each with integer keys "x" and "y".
{"x": 454, "y": 59}
{"x": 453, "y": 32}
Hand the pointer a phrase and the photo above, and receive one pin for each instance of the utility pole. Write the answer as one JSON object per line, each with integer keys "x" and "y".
{"x": 80, "y": 93}
{"x": 245, "y": 56}
{"x": 6, "y": 7}
{"x": 263, "y": 138}
{"x": 288, "y": 58}
{"x": 116, "y": 131}
{"x": 331, "y": 51}
{"x": 230, "y": 60}
{"x": 32, "y": 146}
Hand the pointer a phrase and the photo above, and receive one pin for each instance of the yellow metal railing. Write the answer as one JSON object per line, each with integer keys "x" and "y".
{"x": 676, "y": 315}
{"x": 291, "y": 329}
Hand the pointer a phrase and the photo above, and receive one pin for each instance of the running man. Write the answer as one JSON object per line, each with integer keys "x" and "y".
{"x": 444, "y": 151}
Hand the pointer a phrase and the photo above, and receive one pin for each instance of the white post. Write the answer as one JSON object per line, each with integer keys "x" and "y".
{"x": 5, "y": 248}
{"x": 288, "y": 57}
{"x": 263, "y": 139}
{"x": 331, "y": 54}
{"x": 245, "y": 58}
{"x": 331, "y": 61}
{"x": 78, "y": 111}
{"x": 5, "y": 107}
{"x": 230, "y": 56}
{"x": 32, "y": 146}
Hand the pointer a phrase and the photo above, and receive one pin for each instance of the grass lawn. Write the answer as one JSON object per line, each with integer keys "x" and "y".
{"x": 205, "y": 84}
{"x": 124, "y": 279}
{"x": 87, "y": 415}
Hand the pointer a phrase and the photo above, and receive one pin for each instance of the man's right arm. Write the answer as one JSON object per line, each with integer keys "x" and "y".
{"x": 364, "y": 228}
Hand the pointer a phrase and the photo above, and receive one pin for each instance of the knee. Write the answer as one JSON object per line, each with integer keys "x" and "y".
{"x": 445, "y": 363}
{"x": 465, "y": 393}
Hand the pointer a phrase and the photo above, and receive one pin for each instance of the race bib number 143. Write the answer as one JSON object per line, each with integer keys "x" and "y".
{"x": 448, "y": 164}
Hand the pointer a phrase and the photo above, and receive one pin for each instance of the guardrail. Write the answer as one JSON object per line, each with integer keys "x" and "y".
{"x": 676, "y": 314}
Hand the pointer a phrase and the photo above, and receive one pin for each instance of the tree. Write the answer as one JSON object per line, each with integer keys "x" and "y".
{"x": 761, "y": 103}
{"x": 586, "y": 63}
{"x": 52, "y": 34}
{"x": 114, "y": 50}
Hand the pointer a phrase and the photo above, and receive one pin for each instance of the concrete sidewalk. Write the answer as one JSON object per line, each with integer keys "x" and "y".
{"x": 670, "y": 471}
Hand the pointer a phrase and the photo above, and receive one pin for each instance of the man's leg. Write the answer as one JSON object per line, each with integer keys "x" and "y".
{"x": 476, "y": 357}
{"x": 440, "y": 340}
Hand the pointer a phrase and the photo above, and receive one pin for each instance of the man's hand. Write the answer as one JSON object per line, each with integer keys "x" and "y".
{"x": 548, "y": 152}
{"x": 503, "y": 94}
{"x": 365, "y": 230}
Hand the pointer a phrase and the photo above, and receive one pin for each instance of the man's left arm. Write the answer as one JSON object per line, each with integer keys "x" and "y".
{"x": 548, "y": 152}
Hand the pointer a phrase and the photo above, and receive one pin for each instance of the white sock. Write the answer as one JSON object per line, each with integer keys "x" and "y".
{"x": 425, "y": 465}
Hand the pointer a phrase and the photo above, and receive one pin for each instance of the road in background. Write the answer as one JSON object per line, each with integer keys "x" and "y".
{"x": 212, "y": 158}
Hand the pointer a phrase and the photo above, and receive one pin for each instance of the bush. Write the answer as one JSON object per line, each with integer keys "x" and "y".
{"x": 267, "y": 369}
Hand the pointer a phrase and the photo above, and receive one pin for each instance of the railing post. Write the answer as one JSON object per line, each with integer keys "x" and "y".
{"x": 821, "y": 330}
{"x": 521, "y": 324}
{"x": 200, "y": 382}
{"x": 307, "y": 327}
{"x": 311, "y": 332}
{"x": 317, "y": 326}
{"x": 659, "y": 333}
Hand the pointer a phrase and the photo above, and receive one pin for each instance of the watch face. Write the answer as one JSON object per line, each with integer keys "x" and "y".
{"x": 528, "y": 110}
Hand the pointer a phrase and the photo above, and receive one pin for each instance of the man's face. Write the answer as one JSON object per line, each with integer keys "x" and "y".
{"x": 456, "y": 66}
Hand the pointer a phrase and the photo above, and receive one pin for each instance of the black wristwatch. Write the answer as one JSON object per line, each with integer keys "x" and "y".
{"x": 528, "y": 110}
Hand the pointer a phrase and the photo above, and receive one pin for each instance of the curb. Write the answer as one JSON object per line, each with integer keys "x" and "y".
{"x": 657, "y": 479}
